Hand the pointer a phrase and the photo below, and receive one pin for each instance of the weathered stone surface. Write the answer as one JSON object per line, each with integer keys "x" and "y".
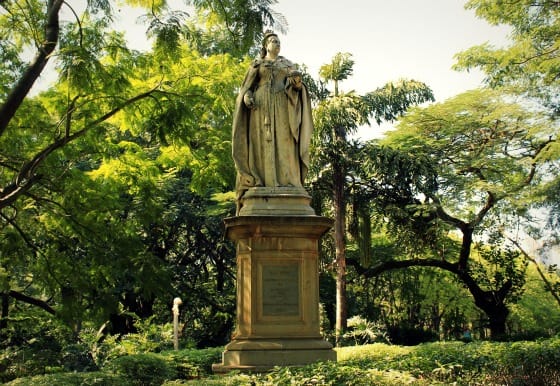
{"x": 276, "y": 231}
{"x": 277, "y": 293}
{"x": 285, "y": 201}
{"x": 272, "y": 123}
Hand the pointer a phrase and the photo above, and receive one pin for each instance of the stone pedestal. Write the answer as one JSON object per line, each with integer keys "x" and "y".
{"x": 280, "y": 201}
{"x": 277, "y": 290}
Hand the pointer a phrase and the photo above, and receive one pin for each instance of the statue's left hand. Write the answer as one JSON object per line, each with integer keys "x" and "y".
{"x": 296, "y": 80}
{"x": 249, "y": 100}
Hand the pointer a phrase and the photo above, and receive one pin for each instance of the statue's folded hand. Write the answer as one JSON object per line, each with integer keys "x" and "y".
{"x": 249, "y": 100}
{"x": 295, "y": 79}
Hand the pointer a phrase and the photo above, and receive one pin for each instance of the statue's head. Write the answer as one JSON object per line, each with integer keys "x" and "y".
{"x": 267, "y": 35}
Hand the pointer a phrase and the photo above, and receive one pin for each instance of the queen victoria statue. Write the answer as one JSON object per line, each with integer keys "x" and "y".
{"x": 272, "y": 124}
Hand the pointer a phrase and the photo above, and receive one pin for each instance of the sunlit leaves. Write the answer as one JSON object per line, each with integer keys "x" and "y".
{"x": 480, "y": 142}
{"x": 492, "y": 266}
{"x": 239, "y": 24}
{"x": 167, "y": 31}
{"x": 340, "y": 68}
{"x": 126, "y": 149}
{"x": 22, "y": 22}
{"x": 104, "y": 6}
{"x": 345, "y": 112}
{"x": 389, "y": 102}
{"x": 92, "y": 58}
{"x": 531, "y": 62}
{"x": 153, "y": 5}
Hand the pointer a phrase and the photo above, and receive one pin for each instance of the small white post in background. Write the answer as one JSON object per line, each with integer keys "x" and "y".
{"x": 176, "y": 303}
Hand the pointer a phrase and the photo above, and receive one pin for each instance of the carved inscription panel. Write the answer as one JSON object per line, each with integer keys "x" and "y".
{"x": 280, "y": 290}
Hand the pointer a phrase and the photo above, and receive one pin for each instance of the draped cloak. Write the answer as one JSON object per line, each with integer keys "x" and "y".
{"x": 270, "y": 143}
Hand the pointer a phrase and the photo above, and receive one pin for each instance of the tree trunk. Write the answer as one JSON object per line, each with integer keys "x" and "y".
{"x": 492, "y": 303}
{"x": 24, "y": 84}
{"x": 340, "y": 247}
{"x": 5, "y": 310}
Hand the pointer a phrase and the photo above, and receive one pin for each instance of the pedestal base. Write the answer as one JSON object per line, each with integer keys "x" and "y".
{"x": 277, "y": 293}
{"x": 264, "y": 355}
{"x": 280, "y": 201}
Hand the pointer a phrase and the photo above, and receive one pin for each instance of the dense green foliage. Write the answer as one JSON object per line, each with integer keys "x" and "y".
{"x": 484, "y": 156}
{"x": 336, "y": 159}
{"x": 529, "y": 65}
{"x": 444, "y": 363}
{"x": 142, "y": 369}
{"x": 460, "y": 185}
{"x": 114, "y": 180}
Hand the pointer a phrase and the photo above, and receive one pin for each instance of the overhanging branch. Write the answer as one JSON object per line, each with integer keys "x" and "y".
{"x": 24, "y": 84}
{"x": 33, "y": 301}
{"x": 400, "y": 264}
{"x": 28, "y": 176}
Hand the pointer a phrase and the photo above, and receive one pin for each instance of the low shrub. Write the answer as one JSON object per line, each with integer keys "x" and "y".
{"x": 488, "y": 363}
{"x": 331, "y": 373}
{"x": 149, "y": 338}
{"x": 77, "y": 357}
{"x": 28, "y": 360}
{"x": 193, "y": 363}
{"x": 143, "y": 369}
{"x": 96, "y": 378}
{"x": 441, "y": 363}
{"x": 535, "y": 363}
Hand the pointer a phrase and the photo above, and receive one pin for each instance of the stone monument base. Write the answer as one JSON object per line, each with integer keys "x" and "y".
{"x": 263, "y": 355}
{"x": 277, "y": 293}
{"x": 278, "y": 201}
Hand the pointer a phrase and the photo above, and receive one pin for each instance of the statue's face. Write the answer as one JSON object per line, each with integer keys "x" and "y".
{"x": 273, "y": 45}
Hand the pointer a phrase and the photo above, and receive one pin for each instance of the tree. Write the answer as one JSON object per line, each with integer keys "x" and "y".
{"x": 537, "y": 313}
{"x": 337, "y": 117}
{"x": 486, "y": 157}
{"x": 550, "y": 279}
{"x": 85, "y": 162}
{"x": 529, "y": 65}
{"x": 84, "y": 47}
{"x": 233, "y": 26}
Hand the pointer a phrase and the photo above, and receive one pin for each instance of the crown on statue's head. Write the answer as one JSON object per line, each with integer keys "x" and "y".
{"x": 267, "y": 34}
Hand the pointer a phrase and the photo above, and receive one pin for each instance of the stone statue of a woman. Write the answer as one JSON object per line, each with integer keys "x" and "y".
{"x": 272, "y": 124}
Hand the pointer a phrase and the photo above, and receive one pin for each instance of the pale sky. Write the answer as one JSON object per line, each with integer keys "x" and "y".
{"x": 389, "y": 39}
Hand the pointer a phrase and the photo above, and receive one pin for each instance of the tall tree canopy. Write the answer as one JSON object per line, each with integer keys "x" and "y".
{"x": 91, "y": 168}
{"x": 531, "y": 63}
{"x": 457, "y": 174}
{"x": 528, "y": 66}
{"x": 486, "y": 155}
{"x": 336, "y": 117}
